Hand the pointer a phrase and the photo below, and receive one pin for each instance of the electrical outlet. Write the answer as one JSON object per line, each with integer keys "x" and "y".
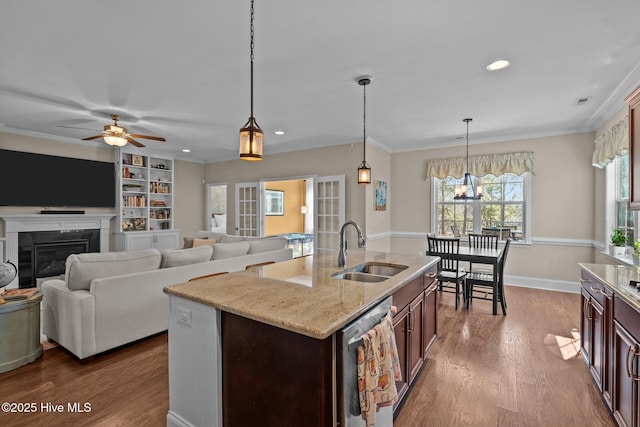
{"x": 184, "y": 316}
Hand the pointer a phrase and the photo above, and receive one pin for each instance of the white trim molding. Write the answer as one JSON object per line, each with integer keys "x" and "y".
{"x": 546, "y": 284}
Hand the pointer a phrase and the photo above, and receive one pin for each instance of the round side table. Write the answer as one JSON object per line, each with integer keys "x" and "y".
{"x": 20, "y": 332}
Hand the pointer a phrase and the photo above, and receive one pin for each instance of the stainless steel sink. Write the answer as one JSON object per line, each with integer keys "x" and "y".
{"x": 360, "y": 277}
{"x": 372, "y": 272}
{"x": 379, "y": 268}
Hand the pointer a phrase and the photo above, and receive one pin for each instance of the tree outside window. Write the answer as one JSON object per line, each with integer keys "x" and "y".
{"x": 501, "y": 206}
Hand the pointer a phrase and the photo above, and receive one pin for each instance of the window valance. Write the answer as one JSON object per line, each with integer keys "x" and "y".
{"x": 614, "y": 142}
{"x": 495, "y": 164}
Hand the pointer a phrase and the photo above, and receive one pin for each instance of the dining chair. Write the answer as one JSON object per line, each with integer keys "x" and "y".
{"x": 485, "y": 281}
{"x": 451, "y": 278}
{"x": 485, "y": 241}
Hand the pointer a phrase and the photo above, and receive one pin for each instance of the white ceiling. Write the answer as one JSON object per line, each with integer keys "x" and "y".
{"x": 180, "y": 69}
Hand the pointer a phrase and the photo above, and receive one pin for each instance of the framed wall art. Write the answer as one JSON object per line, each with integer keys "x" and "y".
{"x": 380, "y": 188}
{"x": 274, "y": 202}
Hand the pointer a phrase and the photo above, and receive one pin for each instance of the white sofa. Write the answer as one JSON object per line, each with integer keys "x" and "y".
{"x": 110, "y": 299}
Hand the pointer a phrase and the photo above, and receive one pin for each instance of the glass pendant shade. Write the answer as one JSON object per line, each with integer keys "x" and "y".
{"x": 251, "y": 137}
{"x": 462, "y": 191}
{"x": 364, "y": 173}
{"x": 118, "y": 141}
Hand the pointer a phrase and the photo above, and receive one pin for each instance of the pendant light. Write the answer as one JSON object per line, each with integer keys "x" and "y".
{"x": 467, "y": 191}
{"x": 251, "y": 135}
{"x": 364, "y": 171}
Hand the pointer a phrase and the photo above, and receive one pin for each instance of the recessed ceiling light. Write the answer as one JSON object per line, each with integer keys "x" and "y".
{"x": 279, "y": 132}
{"x": 186, "y": 150}
{"x": 498, "y": 65}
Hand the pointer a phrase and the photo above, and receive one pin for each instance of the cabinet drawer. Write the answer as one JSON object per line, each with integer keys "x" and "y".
{"x": 627, "y": 317}
{"x": 403, "y": 296}
{"x": 594, "y": 288}
{"x": 430, "y": 276}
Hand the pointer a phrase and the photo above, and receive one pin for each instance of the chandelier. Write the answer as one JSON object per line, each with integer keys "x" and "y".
{"x": 251, "y": 135}
{"x": 467, "y": 191}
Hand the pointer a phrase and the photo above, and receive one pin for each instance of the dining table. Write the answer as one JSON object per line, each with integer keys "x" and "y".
{"x": 488, "y": 256}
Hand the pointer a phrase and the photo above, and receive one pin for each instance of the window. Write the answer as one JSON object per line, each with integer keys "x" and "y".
{"x": 624, "y": 217}
{"x": 502, "y": 209}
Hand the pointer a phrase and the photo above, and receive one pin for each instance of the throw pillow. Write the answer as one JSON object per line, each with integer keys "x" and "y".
{"x": 202, "y": 242}
{"x": 230, "y": 250}
{"x": 267, "y": 244}
{"x": 176, "y": 257}
{"x": 188, "y": 242}
{"x": 221, "y": 220}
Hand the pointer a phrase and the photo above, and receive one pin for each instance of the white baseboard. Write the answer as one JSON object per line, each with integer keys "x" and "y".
{"x": 546, "y": 284}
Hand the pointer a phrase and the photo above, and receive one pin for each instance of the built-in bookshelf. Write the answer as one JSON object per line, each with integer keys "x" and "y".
{"x": 145, "y": 202}
{"x": 145, "y": 194}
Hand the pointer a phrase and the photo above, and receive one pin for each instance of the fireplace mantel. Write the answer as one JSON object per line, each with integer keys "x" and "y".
{"x": 16, "y": 223}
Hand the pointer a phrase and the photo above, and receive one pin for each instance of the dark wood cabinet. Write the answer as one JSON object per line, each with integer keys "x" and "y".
{"x": 633, "y": 101}
{"x": 401, "y": 328}
{"x": 596, "y": 332}
{"x": 416, "y": 337}
{"x": 626, "y": 365}
{"x": 415, "y": 326}
{"x": 431, "y": 312}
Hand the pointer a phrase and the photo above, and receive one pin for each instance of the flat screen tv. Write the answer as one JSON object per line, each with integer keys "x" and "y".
{"x": 30, "y": 179}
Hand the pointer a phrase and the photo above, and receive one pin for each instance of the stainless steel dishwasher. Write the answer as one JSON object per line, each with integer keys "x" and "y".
{"x": 351, "y": 338}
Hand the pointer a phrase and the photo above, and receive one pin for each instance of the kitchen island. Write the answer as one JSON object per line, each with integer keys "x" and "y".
{"x": 260, "y": 345}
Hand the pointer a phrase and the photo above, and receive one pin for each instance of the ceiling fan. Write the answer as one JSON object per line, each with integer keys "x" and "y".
{"x": 118, "y": 135}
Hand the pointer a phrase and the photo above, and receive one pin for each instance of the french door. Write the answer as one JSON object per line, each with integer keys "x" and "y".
{"x": 247, "y": 208}
{"x": 330, "y": 211}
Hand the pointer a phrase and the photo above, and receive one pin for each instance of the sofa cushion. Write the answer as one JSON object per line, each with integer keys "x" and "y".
{"x": 228, "y": 238}
{"x": 203, "y": 242}
{"x": 176, "y": 257}
{"x": 81, "y": 269}
{"x": 230, "y": 250}
{"x": 266, "y": 244}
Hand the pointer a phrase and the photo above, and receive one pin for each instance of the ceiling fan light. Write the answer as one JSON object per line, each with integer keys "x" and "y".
{"x": 117, "y": 141}
{"x": 251, "y": 141}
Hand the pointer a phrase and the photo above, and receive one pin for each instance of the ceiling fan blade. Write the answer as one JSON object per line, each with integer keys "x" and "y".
{"x": 134, "y": 142}
{"x": 93, "y": 137}
{"x": 155, "y": 138}
{"x": 74, "y": 127}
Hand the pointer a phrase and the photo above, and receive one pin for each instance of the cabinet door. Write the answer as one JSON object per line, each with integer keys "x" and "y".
{"x": 166, "y": 241}
{"x": 430, "y": 315}
{"x": 401, "y": 330}
{"x": 416, "y": 336}
{"x": 625, "y": 398}
{"x": 596, "y": 363}
{"x": 633, "y": 101}
{"x": 138, "y": 241}
{"x": 585, "y": 326}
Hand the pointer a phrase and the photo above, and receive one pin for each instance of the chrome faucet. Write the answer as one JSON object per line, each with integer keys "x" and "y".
{"x": 342, "y": 256}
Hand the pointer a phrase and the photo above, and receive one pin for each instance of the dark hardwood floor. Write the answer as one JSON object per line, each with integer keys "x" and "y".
{"x": 517, "y": 370}
{"x": 484, "y": 370}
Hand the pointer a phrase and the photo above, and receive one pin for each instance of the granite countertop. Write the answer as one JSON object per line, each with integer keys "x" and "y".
{"x": 300, "y": 295}
{"x": 616, "y": 278}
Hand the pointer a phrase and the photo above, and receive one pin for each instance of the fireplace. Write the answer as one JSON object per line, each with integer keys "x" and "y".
{"x": 57, "y": 223}
{"x": 44, "y": 253}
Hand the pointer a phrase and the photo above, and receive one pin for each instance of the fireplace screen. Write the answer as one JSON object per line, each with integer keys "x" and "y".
{"x": 44, "y": 253}
{"x": 49, "y": 258}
